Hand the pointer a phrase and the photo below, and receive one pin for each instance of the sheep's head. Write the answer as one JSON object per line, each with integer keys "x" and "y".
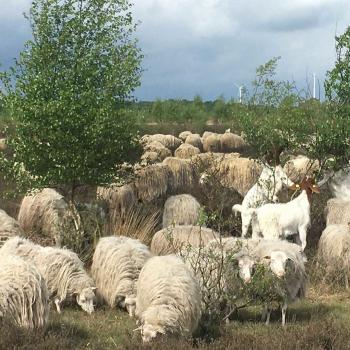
{"x": 245, "y": 266}
{"x": 130, "y": 305}
{"x": 150, "y": 331}
{"x": 85, "y": 299}
{"x": 277, "y": 262}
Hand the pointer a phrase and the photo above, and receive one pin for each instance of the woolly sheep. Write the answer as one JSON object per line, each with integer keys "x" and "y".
{"x": 334, "y": 250}
{"x": 186, "y": 151}
{"x": 173, "y": 239}
{"x": 230, "y": 142}
{"x": 337, "y": 211}
{"x": 286, "y": 261}
{"x": 44, "y": 213}
{"x": 182, "y": 209}
{"x": 116, "y": 265}
{"x": 9, "y": 227}
{"x": 194, "y": 140}
{"x": 160, "y": 149}
{"x": 212, "y": 143}
{"x": 300, "y": 167}
{"x": 24, "y": 297}
{"x": 170, "y": 301}
{"x": 184, "y": 134}
{"x": 265, "y": 190}
{"x": 62, "y": 269}
{"x": 169, "y": 141}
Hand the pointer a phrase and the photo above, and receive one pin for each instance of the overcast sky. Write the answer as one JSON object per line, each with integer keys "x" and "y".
{"x": 206, "y": 46}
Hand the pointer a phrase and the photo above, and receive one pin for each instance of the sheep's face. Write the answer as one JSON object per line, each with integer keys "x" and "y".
{"x": 86, "y": 299}
{"x": 130, "y": 304}
{"x": 245, "y": 265}
{"x": 278, "y": 260}
{"x": 150, "y": 332}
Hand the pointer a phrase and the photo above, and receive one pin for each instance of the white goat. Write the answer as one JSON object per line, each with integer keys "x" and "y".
{"x": 266, "y": 189}
{"x": 277, "y": 221}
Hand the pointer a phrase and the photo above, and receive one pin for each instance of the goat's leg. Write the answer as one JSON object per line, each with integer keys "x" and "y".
{"x": 246, "y": 218}
{"x": 266, "y": 315}
{"x": 302, "y": 236}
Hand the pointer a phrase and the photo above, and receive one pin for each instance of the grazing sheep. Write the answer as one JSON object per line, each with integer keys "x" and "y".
{"x": 230, "y": 142}
{"x": 207, "y": 134}
{"x": 286, "y": 261}
{"x": 337, "y": 211}
{"x": 300, "y": 167}
{"x": 169, "y": 141}
{"x": 265, "y": 190}
{"x": 119, "y": 199}
{"x": 279, "y": 220}
{"x": 186, "y": 151}
{"x": 9, "y": 227}
{"x": 184, "y": 134}
{"x": 157, "y": 147}
{"x": 173, "y": 239}
{"x": 340, "y": 184}
{"x": 153, "y": 182}
{"x": 334, "y": 251}
{"x": 238, "y": 173}
{"x": 62, "y": 269}
{"x": 24, "y": 297}
{"x": 183, "y": 177}
{"x": 116, "y": 265}
{"x": 194, "y": 140}
{"x": 182, "y": 209}
{"x": 169, "y": 301}
{"x": 45, "y": 213}
{"x": 211, "y": 143}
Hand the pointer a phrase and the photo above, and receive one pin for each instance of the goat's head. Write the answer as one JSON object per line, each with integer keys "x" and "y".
{"x": 308, "y": 185}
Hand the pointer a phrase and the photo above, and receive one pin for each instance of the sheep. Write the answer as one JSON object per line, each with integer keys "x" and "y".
{"x": 24, "y": 297}
{"x": 152, "y": 182}
{"x": 169, "y": 141}
{"x": 157, "y": 147}
{"x": 230, "y": 142}
{"x": 186, "y": 151}
{"x": 62, "y": 269}
{"x": 279, "y": 220}
{"x": 173, "y": 239}
{"x": 45, "y": 213}
{"x": 9, "y": 227}
{"x": 264, "y": 191}
{"x": 169, "y": 301}
{"x": 286, "y": 261}
{"x": 340, "y": 184}
{"x": 334, "y": 250}
{"x": 182, "y": 209}
{"x": 116, "y": 265}
{"x": 195, "y": 140}
{"x": 211, "y": 143}
{"x": 300, "y": 167}
{"x": 184, "y": 134}
{"x": 337, "y": 211}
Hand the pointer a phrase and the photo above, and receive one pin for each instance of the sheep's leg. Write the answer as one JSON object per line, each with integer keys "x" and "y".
{"x": 58, "y": 305}
{"x": 284, "y": 311}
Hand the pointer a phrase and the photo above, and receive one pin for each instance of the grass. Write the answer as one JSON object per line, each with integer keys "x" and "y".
{"x": 318, "y": 322}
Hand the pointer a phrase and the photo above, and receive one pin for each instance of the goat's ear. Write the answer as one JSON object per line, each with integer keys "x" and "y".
{"x": 315, "y": 189}
{"x": 294, "y": 187}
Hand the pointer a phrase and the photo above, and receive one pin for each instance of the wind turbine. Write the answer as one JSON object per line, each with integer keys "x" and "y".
{"x": 240, "y": 89}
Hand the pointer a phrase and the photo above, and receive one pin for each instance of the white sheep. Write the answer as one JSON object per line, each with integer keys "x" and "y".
{"x": 279, "y": 220}
{"x": 182, "y": 209}
{"x": 116, "y": 265}
{"x": 265, "y": 190}
{"x": 286, "y": 261}
{"x": 9, "y": 227}
{"x": 62, "y": 269}
{"x": 168, "y": 299}
{"x": 24, "y": 297}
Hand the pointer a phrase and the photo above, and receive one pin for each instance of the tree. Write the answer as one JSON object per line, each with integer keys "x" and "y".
{"x": 67, "y": 92}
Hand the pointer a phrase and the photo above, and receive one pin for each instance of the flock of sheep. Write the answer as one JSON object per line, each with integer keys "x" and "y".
{"x": 167, "y": 285}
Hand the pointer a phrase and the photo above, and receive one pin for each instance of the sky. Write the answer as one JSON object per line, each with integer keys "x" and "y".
{"x": 206, "y": 47}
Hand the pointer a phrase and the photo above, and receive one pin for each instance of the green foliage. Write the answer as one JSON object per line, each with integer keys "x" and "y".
{"x": 67, "y": 91}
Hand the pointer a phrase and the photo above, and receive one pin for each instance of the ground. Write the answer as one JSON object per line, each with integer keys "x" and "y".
{"x": 321, "y": 321}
